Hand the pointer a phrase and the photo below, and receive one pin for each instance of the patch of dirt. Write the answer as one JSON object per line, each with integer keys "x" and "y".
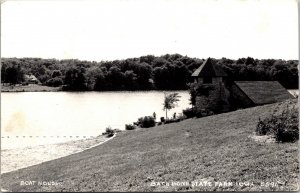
{"x": 262, "y": 138}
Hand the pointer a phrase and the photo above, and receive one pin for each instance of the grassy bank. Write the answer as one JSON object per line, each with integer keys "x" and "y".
{"x": 218, "y": 148}
{"x": 28, "y": 88}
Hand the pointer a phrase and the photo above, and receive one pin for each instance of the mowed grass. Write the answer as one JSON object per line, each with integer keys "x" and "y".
{"x": 217, "y": 148}
{"x": 28, "y": 88}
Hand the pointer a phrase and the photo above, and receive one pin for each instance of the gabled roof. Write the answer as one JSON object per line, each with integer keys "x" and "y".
{"x": 264, "y": 92}
{"x": 209, "y": 68}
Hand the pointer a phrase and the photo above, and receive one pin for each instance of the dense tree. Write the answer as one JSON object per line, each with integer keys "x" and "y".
{"x": 100, "y": 82}
{"x": 56, "y": 81}
{"x": 167, "y": 72}
{"x": 56, "y": 73}
{"x": 75, "y": 79}
{"x": 14, "y": 74}
{"x": 115, "y": 78}
{"x": 130, "y": 80}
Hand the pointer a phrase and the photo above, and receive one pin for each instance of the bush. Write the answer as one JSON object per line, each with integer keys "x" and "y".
{"x": 284, "y": 126}
{"x": 204, "y": 113}
{"x": 129, "y": 127}
{"x": 109, "y": 132}
{"x": 189, "y": 112}
{"x": 172, "y": 121}
{"x": 162, "y": 119}
{"x": 56, "y": 81}
{"x": 146, "y": 122}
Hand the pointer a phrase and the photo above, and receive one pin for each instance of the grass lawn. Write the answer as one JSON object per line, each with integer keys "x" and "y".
{"x": 28, "y": 88}
{"x": 214, "y": 149}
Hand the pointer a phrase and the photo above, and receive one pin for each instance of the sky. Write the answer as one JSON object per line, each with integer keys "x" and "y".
{"x": 118, "y": 29}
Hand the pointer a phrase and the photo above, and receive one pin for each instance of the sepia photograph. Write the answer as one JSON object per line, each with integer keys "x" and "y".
{"x": 149, "y": 95}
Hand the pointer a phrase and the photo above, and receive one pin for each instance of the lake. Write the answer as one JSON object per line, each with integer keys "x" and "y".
{"x": 36, "y": 118}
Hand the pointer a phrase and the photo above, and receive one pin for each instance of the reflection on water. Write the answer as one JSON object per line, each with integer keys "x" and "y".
{"x": 50, "y": 117}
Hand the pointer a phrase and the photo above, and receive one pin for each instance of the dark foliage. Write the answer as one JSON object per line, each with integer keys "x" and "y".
{"x": 284, "y": 126}
{"x": 146, "y": 122}
{"x": 129, "y": 127}
{"x": 12, "y": 74}
{"x": 189, "y": 112}
{"x": 204, "y": 113}
{"x": 172, "y": 121}
{"x": 56, "y": 81}
{"x": 75, "y": 79}
{"x": 203, "y": 89}
{"x": 109, "y": 132}
{"x": 167, "y": 72}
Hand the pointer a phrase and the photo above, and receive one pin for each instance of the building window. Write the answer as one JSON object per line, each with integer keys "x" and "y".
{"x": 207, "y": 80}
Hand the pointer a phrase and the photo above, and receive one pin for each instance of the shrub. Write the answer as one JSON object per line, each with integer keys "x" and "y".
{"x": 284, "y": 126}
{"x": 109, "y": 132}
{"x": 162, "y": 119}
{"x": 204, "y": 113}
{"x": 262, "y": 128}
{"x": 146, "y": 122}
{"x": 172, "y": 121}
{"x": 189, "y": 112}
{"x": 129, "y": 127}
{"x": 56, "y": 81}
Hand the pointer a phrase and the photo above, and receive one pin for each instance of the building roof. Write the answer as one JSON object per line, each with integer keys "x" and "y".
{"x": 30, "y": 77}
{"x": 209, "y": 68}
{"x": 264, "y": 92}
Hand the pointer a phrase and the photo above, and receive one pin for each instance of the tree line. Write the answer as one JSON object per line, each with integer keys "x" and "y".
{"x": 167, "y": 72}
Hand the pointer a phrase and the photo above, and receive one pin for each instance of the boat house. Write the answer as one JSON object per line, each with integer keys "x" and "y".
{"x": 217, "y": 92}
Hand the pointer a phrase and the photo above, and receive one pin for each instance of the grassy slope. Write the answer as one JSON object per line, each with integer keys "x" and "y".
{"x": 218, "y": 147}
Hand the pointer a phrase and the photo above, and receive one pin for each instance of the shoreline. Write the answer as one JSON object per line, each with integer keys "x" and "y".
{"x": 43, "y": 88}
{"x": 35, "y": 155}
{"x": 29, "y": 88}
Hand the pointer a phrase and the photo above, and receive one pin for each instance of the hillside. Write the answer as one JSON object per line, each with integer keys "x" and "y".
{"x": 215, "y": 149}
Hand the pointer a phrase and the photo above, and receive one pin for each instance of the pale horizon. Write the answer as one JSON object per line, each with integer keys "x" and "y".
{"x": 118, "y": 29}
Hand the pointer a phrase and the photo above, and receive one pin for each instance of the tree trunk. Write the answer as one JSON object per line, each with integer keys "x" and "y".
{"x": 166, "y": 114}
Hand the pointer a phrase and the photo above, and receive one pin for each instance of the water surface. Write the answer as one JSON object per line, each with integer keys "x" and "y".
{"x": 34, "y": 118}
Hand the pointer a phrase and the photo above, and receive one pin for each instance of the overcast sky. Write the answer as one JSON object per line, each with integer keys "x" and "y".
{"x": 118, "y": 29}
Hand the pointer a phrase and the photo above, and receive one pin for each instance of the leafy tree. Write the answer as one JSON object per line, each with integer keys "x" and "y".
{"x": 144, "y": 73}
{"x": 130, "y": 80}
{"x": 100, "y": 82}
{"x": 170, "y": 102}
{"x": 115, "y": 78}
{"x": 56, "y": 73}
{"x": 14, "y": 74}
{"x": 75, "y": 79}
{"x": 56, "y": 81}
{"x": 3, "y": 73}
